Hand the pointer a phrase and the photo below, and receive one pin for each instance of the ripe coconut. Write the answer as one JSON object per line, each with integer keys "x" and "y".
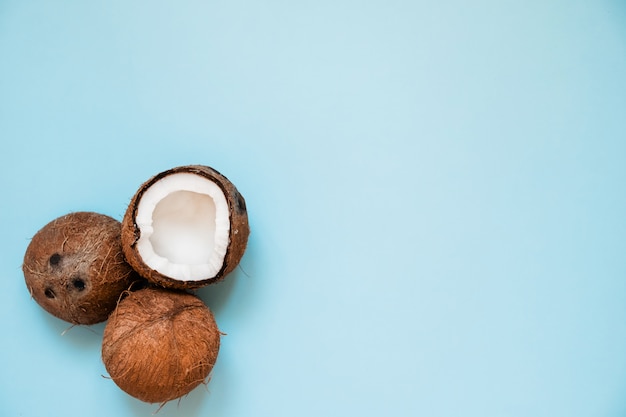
{"x": 185, "y": 228}
{"x": 75, "y": 269}
{"x": 159, "y": 344}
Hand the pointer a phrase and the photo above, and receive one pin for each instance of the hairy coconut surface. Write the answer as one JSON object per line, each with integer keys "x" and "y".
{"x": 185, "y": 227}
{"x": 75, "y": 269}
{"x": 160, "y": 344}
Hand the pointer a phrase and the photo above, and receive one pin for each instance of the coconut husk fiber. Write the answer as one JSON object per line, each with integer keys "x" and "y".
{"x": 160, "y": 344}
{"x": 75, "y": 269}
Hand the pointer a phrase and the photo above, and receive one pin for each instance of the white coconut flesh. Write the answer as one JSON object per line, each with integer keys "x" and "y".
{"x": 184, "y": 227}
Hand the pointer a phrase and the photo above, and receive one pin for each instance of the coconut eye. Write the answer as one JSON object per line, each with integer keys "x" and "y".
{"x": 55, "y": 259}
{"x": 78, "y": 283}
{"x": 241, "y": 203}
{"x": 49, "y": 293}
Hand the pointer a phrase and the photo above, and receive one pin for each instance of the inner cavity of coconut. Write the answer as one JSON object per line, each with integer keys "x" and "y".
{"x": 184, "y": 226}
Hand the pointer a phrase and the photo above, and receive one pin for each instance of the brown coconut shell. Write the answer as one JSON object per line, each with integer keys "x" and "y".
{"x": 75, "y": 269}
{"x": 160, "y": 344}
{"x": 238, "y": 236}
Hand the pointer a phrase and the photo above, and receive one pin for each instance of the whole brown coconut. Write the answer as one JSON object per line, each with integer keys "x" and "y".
{"x": 75, "y": 269}
{"x": 160, "y": 344}
{"x": 185, "y": 228}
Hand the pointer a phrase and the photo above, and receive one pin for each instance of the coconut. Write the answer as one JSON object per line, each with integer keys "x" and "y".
{"x": 159, "y": 344}
{"x": 75, "y": 269}
{"x": 185, "y": 228}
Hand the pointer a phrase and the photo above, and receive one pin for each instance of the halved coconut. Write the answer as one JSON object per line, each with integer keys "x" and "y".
{"x": 185, "y": 227}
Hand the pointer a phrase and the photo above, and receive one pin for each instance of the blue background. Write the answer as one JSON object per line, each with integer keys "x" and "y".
{"x": 436, "y": 191}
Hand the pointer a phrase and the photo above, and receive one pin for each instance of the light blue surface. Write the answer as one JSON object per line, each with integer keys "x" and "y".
{"x": 436, "y": 191}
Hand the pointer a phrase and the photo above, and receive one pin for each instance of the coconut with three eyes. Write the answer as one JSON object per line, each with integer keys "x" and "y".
{"x": 75, "y": 269}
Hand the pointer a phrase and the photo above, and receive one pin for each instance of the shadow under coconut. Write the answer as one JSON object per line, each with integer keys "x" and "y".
{"x": 87, "y": 337}
{"x": 217, "y": 296}
{"x": 189, "y": 405}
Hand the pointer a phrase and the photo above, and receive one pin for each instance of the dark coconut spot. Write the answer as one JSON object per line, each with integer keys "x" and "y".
{"x": 55, "y": 259}
{"x": 241, "y": 203}
{"x": 78, "y": 283}
{"x": 49, "y": 293}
